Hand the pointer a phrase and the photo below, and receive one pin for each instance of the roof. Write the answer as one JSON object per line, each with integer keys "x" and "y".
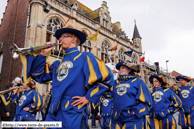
{"x": 94, "y": 14}
{"x": 86, "y": 9}
{"x": 174, "y": 73}
{"x": 136, "y": 33}
{"x": 116, "y": 29}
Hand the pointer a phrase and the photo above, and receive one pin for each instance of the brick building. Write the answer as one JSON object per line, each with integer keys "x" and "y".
{"x": 45, "y": 16}
{"x": 12, "y": 30}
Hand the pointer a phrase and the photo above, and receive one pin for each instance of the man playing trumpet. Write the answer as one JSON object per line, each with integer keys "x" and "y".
{"x": 76, "y": 80}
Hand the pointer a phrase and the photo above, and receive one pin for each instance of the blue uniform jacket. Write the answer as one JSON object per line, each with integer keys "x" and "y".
{"x": 165, "y": 101}
{"x": 5, "y": 98}
{"x": 78, "y": 74}
{"x": 29, "y": 98}
{"x": 130, "y": 94}
{"x": 186, "y": 94}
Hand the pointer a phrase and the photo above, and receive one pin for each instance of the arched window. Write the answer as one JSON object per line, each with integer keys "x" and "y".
{"x": 104, "y": 51}
{"x": 86, "y": 47}
{"x": 52, "y": 25}
{"x": 121, "y": 55}
{"x": 134, "y": 59}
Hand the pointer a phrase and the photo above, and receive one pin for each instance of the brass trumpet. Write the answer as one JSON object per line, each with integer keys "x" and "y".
{"x": 15, "y": 51}
{"x": 6, "y": 91}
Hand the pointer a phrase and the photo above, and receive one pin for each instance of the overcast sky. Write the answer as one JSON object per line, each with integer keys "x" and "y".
{"x": 166, "y": 28}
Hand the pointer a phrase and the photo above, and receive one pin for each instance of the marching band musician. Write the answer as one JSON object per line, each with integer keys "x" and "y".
{"x": 165, "y": 104}
{"x": 131, "y": 98}
{"x": 27, "y": 102}
{"x": 76, "y": 80}
{"x": 186, "y": 94}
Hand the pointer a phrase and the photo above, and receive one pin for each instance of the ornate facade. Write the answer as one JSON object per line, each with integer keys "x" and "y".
{"x": 46, "y": 16}
{"x": 42, "y": 26}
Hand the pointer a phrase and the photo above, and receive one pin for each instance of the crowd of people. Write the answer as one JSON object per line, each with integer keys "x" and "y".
{"x": 81, "y": 82}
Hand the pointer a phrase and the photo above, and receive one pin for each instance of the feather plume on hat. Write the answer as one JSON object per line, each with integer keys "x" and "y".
{"x": 84, "y": 31}
{"x": 69, "y": 25}
{"x": 32, "y": 84}
{"x": 133, "y": 66}
{"x": 188, "y": 78}
{"x": 163, "y": 79}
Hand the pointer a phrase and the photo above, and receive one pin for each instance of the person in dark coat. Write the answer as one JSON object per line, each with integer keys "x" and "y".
{"x": 7, "y": 109}
{"x": 94, "y": 111}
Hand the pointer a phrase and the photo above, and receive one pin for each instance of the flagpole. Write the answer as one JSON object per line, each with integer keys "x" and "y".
{"x": 71, "y": 12}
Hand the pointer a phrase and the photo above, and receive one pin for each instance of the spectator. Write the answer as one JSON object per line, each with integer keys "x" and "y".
{"x": 7, "y": 109}
{"x": 46, "y": 106}
{"x": 43, "y": 95}
{"x": 94, "y": 111}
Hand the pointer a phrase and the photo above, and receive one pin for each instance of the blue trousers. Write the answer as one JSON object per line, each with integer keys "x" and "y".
{"x": 167, "y": 122}
{"x": 131, "y": 122}
{"x": 186, "y": 120}
{"x": 71, "y": 119}
{"x": 104, "y": 122}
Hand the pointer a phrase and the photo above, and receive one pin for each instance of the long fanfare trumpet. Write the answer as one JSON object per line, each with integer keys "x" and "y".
{"x": 15, "y": 51}
{"x": 6, "y": 91}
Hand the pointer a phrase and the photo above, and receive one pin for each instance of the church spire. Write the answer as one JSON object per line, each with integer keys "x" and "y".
{"x": 136, "y": 32}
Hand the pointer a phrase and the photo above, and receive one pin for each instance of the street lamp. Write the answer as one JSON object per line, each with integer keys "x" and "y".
{"x": 167, "y": 69}
{"x": 47, "y": 7}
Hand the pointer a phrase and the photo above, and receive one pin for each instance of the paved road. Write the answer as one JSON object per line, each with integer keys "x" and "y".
{"x": 176, "y": 117}
{"x": 98, "y": 126}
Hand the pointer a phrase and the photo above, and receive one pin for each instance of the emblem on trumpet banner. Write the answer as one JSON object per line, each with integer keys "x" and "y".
{"x": 21, "y": 100}
{"x": 185, "y": 93}
{"x": 105, "y": 102}
{"x": 122, "y": 88}
{"x": 63, "y": 70}
{"x": 157, "y": 96}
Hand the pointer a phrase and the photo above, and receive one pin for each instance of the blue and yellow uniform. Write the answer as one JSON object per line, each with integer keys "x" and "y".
{"x": 6, "y": 106}
{"x": 29, "y": 98}
{"x": 165, "y": 104}
{"x": 106, "y": 104}
{"x": 186, "y": 94}
{"x": 78, "y": 74}
{"x": 130, "y": 94}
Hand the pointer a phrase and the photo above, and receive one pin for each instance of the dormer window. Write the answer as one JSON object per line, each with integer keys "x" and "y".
{"x": 105, "y": 20}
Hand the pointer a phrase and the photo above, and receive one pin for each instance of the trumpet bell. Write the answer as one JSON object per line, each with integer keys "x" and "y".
{"x": 14, "y": 51}
{"x": 15, "y": 55}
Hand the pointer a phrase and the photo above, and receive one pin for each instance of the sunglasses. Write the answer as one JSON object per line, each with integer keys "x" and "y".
{"x": 65, "y": 35}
